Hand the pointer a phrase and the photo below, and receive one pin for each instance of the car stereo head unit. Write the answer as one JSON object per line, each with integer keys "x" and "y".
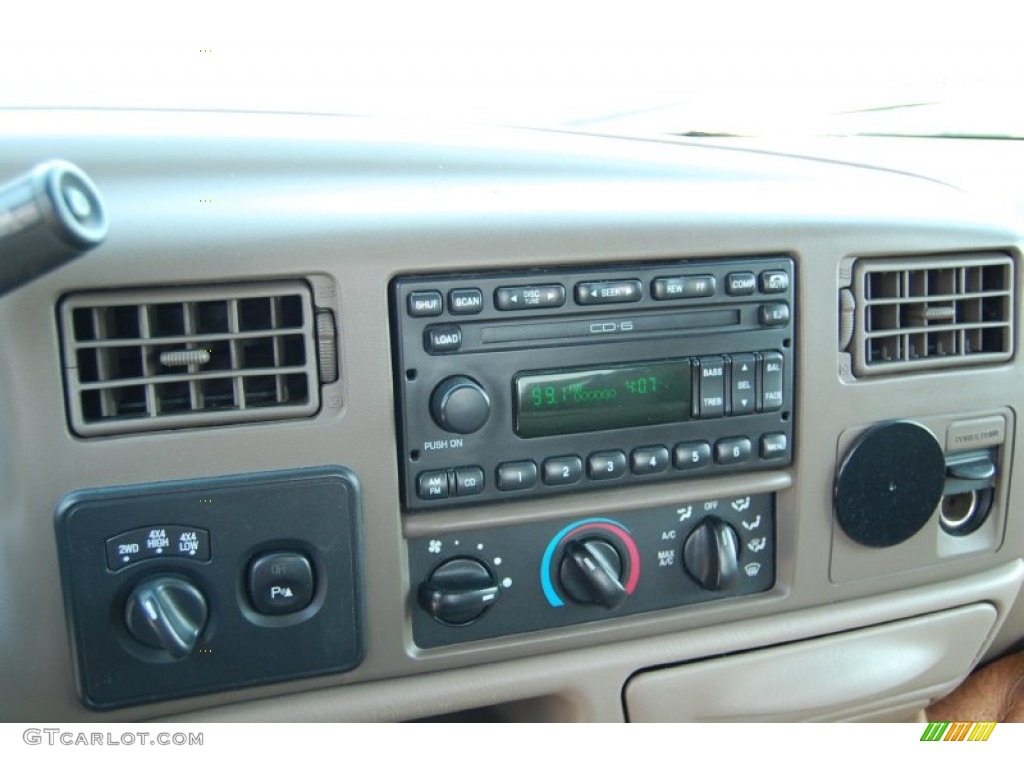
{"x": 524, "y": 383}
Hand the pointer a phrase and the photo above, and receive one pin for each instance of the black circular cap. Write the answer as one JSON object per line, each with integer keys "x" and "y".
{"x": 460, "y": 405}
{"x": 889, "y": 483}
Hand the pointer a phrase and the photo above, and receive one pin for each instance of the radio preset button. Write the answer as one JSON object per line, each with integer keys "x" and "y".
{"x": 425, "y": 304}
{"x": 695, "y": 455}
{"x": 733, "y": 450}
{"x": 771, "y": 381}
{"x": 711, "y": 392}
{"x": 516, "y": 297}
{"x": 774, "y": 445}
{"x": 606, "y": 465}
{"x": 773, "y": 315}
{"x": 608, "y": 292}
{"x": 469, "y": 481}
{"x": 442, "y": 338}
{"x": 774, "y": 281}
{"x": 562, "y": 470}
{"x": 432, "y": 485}
{"x": 744, "y": 373}
{"x": 465, "y": 301}
{"x": 740, "y": 283}
{"x": 516, "y": 475}
{"x": 692, "y": 287}
{"x": 649, "y": 460}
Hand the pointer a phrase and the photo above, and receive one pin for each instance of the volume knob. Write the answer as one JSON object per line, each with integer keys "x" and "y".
{"x": 460, "y": 405}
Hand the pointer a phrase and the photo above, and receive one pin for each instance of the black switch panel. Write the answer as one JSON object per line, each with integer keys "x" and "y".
{"x": 274, "y": 556}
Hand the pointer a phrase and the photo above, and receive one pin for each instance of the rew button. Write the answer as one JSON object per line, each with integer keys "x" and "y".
{"x": 280, "y": 582}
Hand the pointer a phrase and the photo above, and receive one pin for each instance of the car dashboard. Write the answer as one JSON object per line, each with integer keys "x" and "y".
{"x": 356, "y": 419}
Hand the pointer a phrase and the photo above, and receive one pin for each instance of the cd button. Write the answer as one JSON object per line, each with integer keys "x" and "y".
{"x": 694, "y": 455}
{"x": 608, "y": 292}
{"x": 425, "y": 304}
{"x": 563, "y": 470}
{"x": 694, "y": 287}
{"x": 465, "y": 301}
{"x": 517, "y": 475}
{"x": 469, "y": 481}
{"x": 740, "y": 283}
{"x": 606, "y": 465}
{"x": 649, "y": 460}
{"x": 733, "y": 450}
{"x": 518, "y": 297}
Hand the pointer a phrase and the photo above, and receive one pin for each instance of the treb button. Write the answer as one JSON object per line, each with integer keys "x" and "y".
{"x": 711, "y": 393}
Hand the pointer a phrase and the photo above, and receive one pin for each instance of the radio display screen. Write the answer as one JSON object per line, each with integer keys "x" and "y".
{"x": 565, "y": 401}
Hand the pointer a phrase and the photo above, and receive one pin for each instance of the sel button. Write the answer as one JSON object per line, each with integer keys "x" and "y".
{"x": 280, "y": 582}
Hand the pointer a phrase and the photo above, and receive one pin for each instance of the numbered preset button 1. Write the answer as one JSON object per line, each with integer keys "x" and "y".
{"x": 562, "y": 470}
{"x": 649, "y": 460}
{"x": 516, "y": 475}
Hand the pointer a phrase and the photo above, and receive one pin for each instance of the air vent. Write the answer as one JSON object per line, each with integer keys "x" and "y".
{"x": 931, "y": 312}
{"x": 170, "y": 358}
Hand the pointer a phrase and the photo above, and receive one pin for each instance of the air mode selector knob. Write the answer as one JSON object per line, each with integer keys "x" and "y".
{"x": 460, "y": 405}
{"x": 711, "y": 555}
{"x": 167, "y": 613}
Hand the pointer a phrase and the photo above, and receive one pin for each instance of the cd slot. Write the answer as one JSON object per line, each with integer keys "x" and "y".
{"x": 599, "y": 328}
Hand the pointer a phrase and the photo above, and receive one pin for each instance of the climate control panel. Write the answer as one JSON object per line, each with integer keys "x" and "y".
{"x": 521, "y": 578}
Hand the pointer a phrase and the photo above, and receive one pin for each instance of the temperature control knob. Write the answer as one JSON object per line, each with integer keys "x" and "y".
{"x": 458, "y": 591}
{"x": 167, "y": 613}
{"x": 591, "y": 572}
{"x": 460, "y": 405}
{"x": 711, "y": 554}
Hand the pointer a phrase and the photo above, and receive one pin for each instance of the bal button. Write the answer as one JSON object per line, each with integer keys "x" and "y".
{"x": 280, "y": 582}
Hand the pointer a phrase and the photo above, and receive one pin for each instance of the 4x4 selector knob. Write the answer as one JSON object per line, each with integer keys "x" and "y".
{"x": 591, "y": 572}
{"x": 168, "y": 613}
{"x": 460, "y": 405}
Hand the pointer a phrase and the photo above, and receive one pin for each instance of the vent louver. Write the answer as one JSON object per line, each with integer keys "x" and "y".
{"x": 932, "y": 312}
{"x": 170, "y": 358}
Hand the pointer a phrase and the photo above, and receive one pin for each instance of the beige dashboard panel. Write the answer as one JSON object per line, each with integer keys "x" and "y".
{"x": 822, "y": 679}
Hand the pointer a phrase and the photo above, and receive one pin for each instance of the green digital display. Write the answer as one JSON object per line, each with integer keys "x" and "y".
{"x": 565, "y": 401}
